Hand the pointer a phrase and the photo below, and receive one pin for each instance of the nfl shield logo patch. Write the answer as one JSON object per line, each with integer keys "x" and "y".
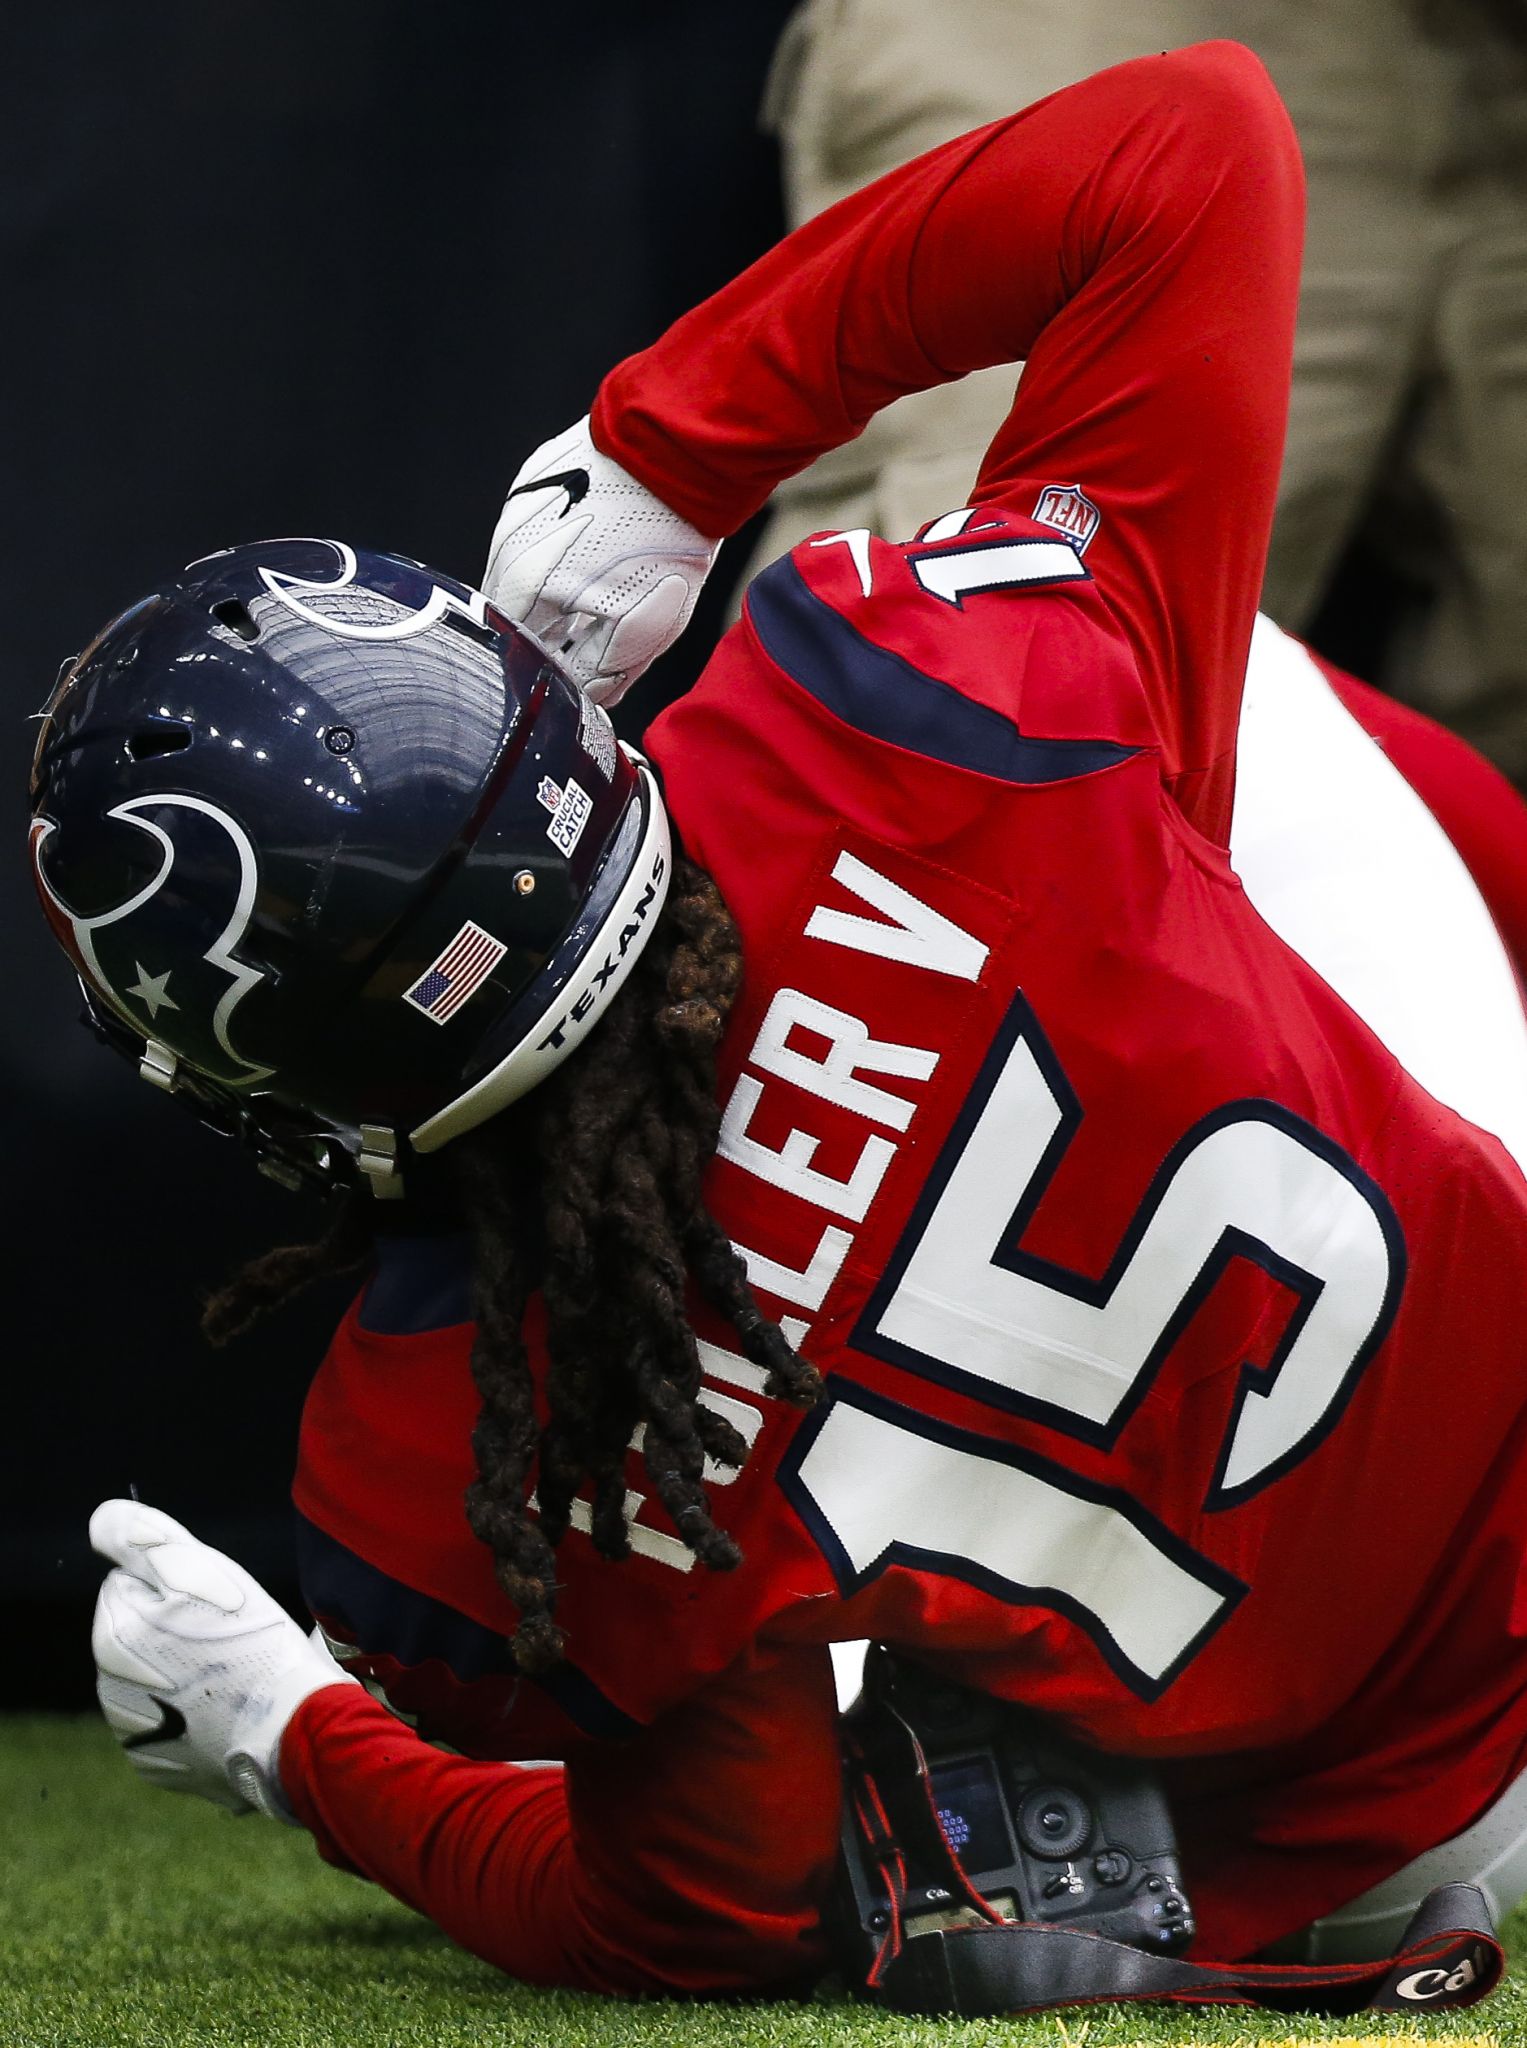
{"x": 1069, "y": 510}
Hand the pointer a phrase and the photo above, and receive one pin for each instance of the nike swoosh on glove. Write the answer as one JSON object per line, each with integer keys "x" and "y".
{"x": 599, "y": 569}
{"x": 198, "y": 1670}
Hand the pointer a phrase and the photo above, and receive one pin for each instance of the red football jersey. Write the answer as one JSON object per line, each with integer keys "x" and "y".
{"x": 1169, "y": 1326}
{"x": 1133, "y": 1260}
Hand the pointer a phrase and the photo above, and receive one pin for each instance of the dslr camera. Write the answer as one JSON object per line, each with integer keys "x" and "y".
{"x": 953, "y": 1797}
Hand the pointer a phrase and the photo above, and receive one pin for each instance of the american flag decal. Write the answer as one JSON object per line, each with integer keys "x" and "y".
{"x": 460, "y": 971}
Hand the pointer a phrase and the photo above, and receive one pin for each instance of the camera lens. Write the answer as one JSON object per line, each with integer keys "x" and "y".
{"x": 1053, "y": 1821}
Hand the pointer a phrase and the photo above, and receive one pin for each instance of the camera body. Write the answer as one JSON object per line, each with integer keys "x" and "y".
{"x": 1044, "y": 1829}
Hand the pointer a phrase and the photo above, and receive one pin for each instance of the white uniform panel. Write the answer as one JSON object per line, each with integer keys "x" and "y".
{"x": 1350, "y": 868}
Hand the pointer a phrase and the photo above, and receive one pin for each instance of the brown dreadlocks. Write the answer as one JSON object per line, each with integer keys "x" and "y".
{"x": 589, "y": 1190}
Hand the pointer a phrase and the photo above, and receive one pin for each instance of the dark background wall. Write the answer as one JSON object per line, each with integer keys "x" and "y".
{"x": 269, "y": 268}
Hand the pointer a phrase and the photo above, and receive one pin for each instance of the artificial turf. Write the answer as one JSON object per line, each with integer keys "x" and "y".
{"x": 133, "y": 1920}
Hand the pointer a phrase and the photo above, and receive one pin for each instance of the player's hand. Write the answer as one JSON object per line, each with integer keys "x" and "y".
{"x": 198, "y": 1670}
{"x": 596, "y": 566}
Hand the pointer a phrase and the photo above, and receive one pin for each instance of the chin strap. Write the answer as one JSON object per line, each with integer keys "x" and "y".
{"x": 378, "y": 1161}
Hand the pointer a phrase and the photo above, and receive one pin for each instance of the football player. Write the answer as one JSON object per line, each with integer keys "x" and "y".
{"x": 1102, "y": 1281}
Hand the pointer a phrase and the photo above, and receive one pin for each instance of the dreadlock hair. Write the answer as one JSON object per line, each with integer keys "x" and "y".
{"x": 288, "y": 1270}
{"x": 589, "y": 1190}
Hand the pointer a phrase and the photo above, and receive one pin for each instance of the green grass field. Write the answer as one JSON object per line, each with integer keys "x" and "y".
{"x": 131, "y": 1920}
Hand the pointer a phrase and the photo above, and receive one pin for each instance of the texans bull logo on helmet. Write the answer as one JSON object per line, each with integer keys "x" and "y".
{"x": 135, "y": 954}
{"x": 321, "y": 601}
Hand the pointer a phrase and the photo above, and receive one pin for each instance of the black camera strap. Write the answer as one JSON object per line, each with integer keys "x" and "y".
{"x": 1450, "y": 1957}
{"x": 991, "y": 1966}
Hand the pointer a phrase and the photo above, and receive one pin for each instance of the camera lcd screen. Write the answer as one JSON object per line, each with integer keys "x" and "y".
{"x": 969, "y": 1802}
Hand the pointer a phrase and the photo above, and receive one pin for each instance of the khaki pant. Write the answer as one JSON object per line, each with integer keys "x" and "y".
{"x": 1409, "y": 412}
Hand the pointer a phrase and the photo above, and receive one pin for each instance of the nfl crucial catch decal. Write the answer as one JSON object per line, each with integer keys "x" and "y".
{"x": 569, "y": 818}
{"x": 460, "y": 971}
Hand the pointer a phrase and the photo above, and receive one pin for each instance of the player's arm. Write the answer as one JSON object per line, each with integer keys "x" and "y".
{"x": 1135, "y": 238}
{"x": 693, "y": 1858}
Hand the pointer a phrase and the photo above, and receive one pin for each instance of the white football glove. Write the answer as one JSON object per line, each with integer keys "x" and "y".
{"x": 597, "y": 567}
{"x": 198, "y": 1670}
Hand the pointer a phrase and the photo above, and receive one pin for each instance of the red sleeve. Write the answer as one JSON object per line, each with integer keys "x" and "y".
{"x": 1136, "y": 238}
{"x": 1478, "y": 809}
{"x": 692, "y": 1859}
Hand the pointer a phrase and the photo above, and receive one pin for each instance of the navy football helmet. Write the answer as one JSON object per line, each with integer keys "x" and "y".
{"x": 339, "y": 853}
